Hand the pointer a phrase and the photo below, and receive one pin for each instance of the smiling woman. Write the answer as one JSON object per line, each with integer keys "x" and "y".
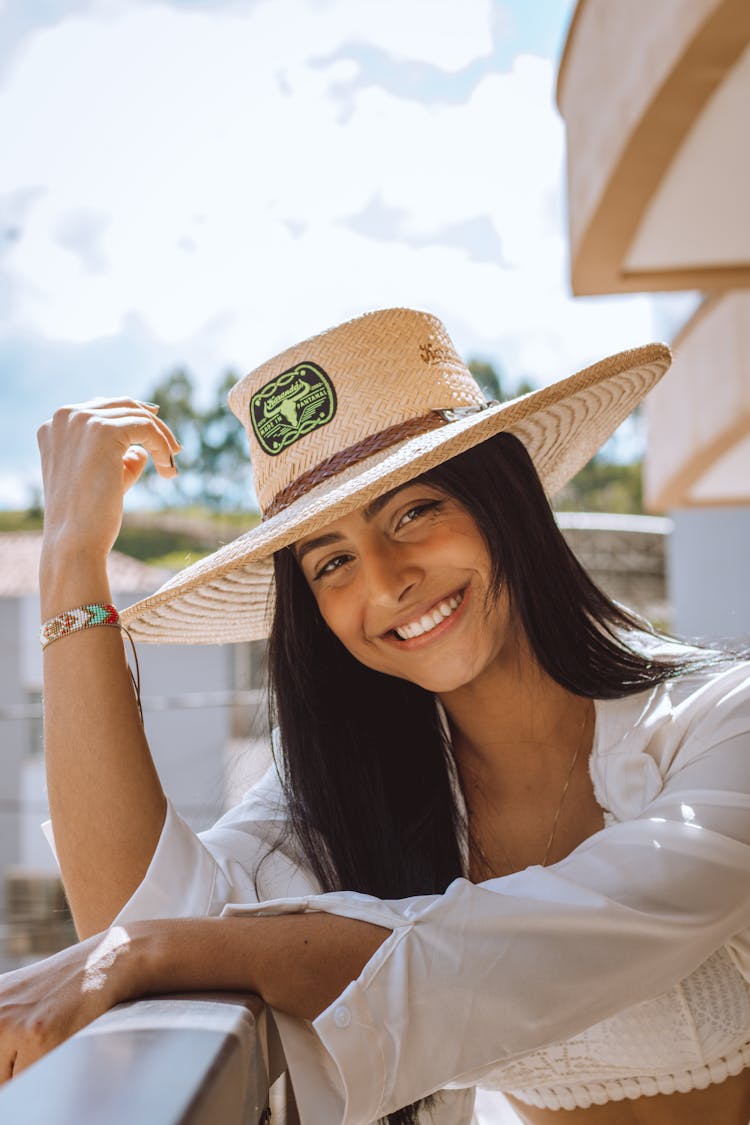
{"x": 357, "y": 579}
{"x": 506, "y": 840}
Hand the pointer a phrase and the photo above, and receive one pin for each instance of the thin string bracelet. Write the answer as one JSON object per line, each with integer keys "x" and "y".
{"x": 137, "y": 677}
{"x": 88, "y": 617}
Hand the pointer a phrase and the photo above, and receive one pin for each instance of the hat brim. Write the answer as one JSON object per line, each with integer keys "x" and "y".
{"x": 227, "y": 597}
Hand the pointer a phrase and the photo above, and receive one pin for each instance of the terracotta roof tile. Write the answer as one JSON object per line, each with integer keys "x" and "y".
{"x": 19, "y": 565}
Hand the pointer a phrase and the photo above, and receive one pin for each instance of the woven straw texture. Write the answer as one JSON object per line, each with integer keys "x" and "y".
{"x": 387, "y": 367}
{"x": 228, "y": 597}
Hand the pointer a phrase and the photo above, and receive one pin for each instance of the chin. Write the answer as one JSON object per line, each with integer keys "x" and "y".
{"x": 443, "y": 681}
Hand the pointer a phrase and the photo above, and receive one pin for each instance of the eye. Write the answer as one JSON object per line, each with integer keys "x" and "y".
{"x": 332, "y": 565}
{"x": 418, "y": 510}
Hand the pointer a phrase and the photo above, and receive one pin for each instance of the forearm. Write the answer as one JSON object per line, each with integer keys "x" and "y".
{"x": 106, "y": 801}
{"x": 298, "y": 963}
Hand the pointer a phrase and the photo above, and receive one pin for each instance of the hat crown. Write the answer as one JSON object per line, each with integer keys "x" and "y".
{"x": 327, "y": 401}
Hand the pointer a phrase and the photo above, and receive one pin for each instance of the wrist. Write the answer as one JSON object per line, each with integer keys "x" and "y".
{"x": 70, "y": 576}
{"x": 109, "y": 963}
{"x": 137, "y": 973}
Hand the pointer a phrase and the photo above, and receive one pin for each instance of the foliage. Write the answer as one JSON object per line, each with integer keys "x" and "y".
{"x": 28, "y": 520}
{"x": 491, "y": 381}
{"x": 176, "y": 538}
{"x": 223, "y": 453}
{"x": 151, "y": 544}
{"x": 214, "y": 467}
{"x": 603, "y": 486}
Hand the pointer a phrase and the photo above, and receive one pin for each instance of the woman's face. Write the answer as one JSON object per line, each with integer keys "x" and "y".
{"x": 405, "y": 585}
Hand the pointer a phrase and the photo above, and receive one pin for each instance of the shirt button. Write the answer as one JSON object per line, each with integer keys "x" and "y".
{"x": 342, "y": 1017}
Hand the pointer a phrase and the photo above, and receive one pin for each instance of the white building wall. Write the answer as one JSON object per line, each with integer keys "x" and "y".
{"x": 188, "y": 743}
{"x": 34, "y": 851}
{"x": 709, "y": 564}
{"x": 14, "y": 734}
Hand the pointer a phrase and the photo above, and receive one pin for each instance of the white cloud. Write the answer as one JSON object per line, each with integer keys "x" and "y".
{"x": 440, "y": 32}
{"x": 196, "y": 170}
{"x": 18, "y": 489}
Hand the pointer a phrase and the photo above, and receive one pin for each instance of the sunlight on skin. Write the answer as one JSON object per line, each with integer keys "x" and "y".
{"x": 103, "y": 957}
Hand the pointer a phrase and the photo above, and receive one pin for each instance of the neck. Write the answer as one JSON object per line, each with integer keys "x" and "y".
{"x": 514, "y": 722}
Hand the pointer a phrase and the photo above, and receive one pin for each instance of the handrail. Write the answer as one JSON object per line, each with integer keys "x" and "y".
{"x": 171, "y": 1060}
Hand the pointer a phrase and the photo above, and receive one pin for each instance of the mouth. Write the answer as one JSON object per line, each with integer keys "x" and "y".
{"x": 432, "y": 623}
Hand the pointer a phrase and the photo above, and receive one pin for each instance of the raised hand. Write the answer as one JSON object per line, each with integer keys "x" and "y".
{"x": 92, "y": 453}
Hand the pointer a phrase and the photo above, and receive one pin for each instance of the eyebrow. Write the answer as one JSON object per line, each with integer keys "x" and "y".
{"x": 369, "y": 514}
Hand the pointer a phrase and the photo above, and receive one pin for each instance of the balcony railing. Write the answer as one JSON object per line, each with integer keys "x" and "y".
{"x": 173, "y": 1060}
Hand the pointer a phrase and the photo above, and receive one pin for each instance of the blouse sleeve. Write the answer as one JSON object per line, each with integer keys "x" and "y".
{"x": 471, "y": 977}
{"x": 245, "y": 858}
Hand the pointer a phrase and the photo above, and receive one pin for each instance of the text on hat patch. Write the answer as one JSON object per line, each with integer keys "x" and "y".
{"x": 293, "y": 404}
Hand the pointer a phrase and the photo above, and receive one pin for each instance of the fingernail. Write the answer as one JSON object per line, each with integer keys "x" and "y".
{"x": 151, "y": 405}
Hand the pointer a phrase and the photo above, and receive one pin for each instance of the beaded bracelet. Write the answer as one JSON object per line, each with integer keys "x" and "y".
{"x": 84, "y": 617}
{"x": 87, "y": 617}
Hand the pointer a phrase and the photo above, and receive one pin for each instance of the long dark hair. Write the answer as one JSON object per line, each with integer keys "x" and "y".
{"x": 365, "y": 764}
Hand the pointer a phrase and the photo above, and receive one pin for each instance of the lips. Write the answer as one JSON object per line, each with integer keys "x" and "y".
{"x": 430, "y": 619}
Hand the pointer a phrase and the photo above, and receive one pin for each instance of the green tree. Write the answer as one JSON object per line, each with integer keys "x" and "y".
{"x": 492, "y": 381}
{"x": 174, "y": 394}
{"x": 213, "y": 464}
{"x": 224, "y": 457}
{"x": 488, "y": 377}
{"x": 604, "y": 486}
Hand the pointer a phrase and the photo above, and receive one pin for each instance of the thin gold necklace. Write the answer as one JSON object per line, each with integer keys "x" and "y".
{"x": 475, "y": 843}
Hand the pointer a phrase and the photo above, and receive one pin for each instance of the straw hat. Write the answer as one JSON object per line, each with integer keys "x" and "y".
{"x": 348, "y": 415}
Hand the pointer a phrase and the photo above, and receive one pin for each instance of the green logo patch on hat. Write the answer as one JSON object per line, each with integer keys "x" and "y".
{"x": 293, "y": 404}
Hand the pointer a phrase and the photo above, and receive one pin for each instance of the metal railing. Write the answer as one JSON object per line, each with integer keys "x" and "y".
{"x": 194, "y": 700}
{"x": 173, "y": 1060}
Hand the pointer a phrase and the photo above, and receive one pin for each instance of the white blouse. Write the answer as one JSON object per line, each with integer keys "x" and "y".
{"x": 621, "y": 970}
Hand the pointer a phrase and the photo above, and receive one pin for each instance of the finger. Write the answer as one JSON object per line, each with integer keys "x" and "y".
{"x": 105, "y": 406}
{"x": 133, "y": 464}
{"x": 108, "y": 434}
{"x": 136, "y": 412}
{"x": 106, "y": 430}
{"x": 100, "y": 402}
{"x": 24, "y": 1059}
{"x": 141, "y": 440}
{"x": 7, "y": 1067}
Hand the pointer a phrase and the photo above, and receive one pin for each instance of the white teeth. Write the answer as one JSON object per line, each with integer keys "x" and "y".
{"x": 429, "y": 620}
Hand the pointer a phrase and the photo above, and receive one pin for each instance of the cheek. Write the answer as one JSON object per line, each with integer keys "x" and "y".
{"x": 344, "y": 617}
{"x": 340, "y": 613}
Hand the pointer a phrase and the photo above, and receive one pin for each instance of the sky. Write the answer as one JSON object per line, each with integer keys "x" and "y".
{"x": 203, "y": 184}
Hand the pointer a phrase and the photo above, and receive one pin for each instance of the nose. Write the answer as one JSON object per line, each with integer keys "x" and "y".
{"x": 389, "y": 573}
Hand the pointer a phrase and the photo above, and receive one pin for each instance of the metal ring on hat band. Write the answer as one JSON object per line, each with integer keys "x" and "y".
{"x": 373, "y": 443}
